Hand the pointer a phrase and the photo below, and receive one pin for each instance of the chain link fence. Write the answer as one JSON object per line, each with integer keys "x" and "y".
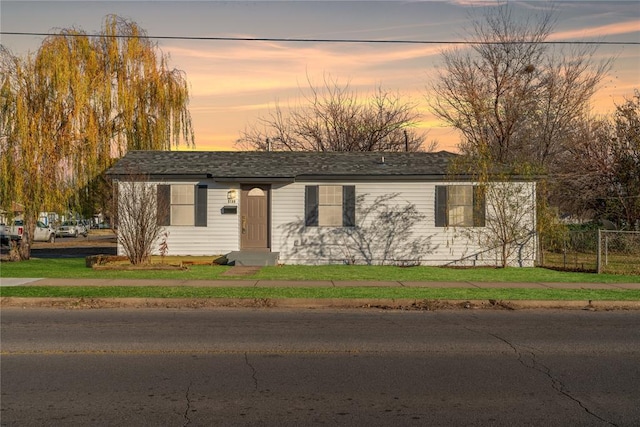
{"x": 619, "y": 252}
{"x": 602, "y": 251}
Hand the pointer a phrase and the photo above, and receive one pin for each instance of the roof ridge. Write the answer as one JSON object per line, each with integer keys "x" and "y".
{"x": 291, "y": 164}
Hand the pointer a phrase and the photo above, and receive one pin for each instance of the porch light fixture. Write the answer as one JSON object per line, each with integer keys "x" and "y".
{"x": 232, "y": 197}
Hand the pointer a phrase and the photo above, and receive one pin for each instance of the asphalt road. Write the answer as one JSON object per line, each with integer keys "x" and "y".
{"x": 351, "y": 367}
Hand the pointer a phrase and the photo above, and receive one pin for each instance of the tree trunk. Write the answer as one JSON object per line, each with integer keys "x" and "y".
{"x": 504, "y": 255}
{"x": 24, "y": 249}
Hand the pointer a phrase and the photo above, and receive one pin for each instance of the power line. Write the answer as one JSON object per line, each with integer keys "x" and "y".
{"x": 297, "y": 40}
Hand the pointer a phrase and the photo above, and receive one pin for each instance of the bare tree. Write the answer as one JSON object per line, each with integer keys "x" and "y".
{"x": 516, "y": 100}
{"x": 510, "y": 223}
{"x": 511, "y": 96}
{"x": 139, "y": 227}
{"x": 335, "y": 118}
{"x": 627, "y": 152}
{"x": 581, "y": 174}
{"x": 599, "y": 174}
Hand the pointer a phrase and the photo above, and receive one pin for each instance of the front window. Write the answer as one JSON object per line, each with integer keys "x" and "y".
{"x": 182, "y": 205}
{"x": 330, "y": 205}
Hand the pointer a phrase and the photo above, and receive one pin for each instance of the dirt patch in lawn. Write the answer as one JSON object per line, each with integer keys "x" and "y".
{"x": 242, "y": 270}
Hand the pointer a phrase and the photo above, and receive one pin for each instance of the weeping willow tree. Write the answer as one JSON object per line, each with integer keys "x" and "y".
{"x": 77, "y": 105}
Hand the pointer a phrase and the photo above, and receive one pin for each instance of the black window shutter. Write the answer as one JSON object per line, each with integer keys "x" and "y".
{"x": 201, "y": 206}
{"x": 441, "y": 206}
{"x": 479, "y": 206}
{"x": 116, "y": 198}
{"x": 311, "y": 206}
{"x": 164, "y": 204}
{"x": 349, "y": 206}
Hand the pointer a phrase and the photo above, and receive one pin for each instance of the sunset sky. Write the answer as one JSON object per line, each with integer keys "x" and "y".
{"x": 233, "y": 83}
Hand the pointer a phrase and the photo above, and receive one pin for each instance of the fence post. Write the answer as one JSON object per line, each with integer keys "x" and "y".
{"x": 598, "y": 257}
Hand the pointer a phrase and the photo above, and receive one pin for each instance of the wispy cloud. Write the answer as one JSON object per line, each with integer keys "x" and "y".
{"x": 251, "y": 67}
{"x": 283, "y": 53}
{"x": 628, "y": 27}
{"x": 478, "y": 3}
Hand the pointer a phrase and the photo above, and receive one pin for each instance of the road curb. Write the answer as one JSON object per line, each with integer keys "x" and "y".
{"x": 314, "y": 303}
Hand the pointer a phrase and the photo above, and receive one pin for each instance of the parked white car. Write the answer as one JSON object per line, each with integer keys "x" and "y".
{"x": 71, "y": 229}
{"x": 43, "y": 233}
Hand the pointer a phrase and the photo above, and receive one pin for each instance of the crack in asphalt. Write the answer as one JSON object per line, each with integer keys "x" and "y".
{"x": 253, "y": 371}
{"x": 556, "y": 383}
{"x": 186, "y": 410}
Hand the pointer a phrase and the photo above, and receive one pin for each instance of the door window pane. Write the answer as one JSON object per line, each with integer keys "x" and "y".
{"x": 257, "y": 192}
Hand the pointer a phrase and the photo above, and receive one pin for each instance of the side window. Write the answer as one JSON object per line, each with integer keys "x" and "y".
{"x": 330, "y": 205}
{"x": 460, "y": 206}
{"x": 182, "y": 204}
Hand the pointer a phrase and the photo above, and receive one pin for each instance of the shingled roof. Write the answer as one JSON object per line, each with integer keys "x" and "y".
{"x": 274, "y": 166}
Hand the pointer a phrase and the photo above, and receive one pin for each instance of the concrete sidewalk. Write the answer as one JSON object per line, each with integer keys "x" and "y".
{"x": 6, "y": 281}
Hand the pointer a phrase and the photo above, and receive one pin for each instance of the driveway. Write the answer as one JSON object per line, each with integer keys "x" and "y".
{"x": 71, "y": 247}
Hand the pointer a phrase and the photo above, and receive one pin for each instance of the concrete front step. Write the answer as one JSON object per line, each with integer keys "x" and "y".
{"x": 246, "y": 258}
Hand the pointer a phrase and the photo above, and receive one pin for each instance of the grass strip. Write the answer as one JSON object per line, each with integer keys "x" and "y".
{"x": 322, "y": 293}
{"x": 435, "y": 274}
{"x": 75, "y": 268}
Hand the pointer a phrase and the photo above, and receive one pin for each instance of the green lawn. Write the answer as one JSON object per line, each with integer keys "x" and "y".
{"x": 75, "y": 268}
{"x": 434, "y": 274}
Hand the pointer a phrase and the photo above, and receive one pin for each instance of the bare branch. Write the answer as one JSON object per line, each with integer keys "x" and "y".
{"x": 138, "y": 226}
{"x": 335, "y": 118}
{"x": 512, "y": 97}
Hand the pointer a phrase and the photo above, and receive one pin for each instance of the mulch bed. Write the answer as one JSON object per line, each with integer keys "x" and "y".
{"x": 129, "y": 267}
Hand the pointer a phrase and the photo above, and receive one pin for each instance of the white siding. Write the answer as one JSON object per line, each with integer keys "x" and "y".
{"x": 425, "y": 243}
{"x": 220, "y": 236}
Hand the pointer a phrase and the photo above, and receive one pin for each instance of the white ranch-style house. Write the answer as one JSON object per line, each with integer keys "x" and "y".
{"x": 330, "y": 208}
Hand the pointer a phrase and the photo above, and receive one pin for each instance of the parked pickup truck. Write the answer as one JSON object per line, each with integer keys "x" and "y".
{"x": 14, "y": 232}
